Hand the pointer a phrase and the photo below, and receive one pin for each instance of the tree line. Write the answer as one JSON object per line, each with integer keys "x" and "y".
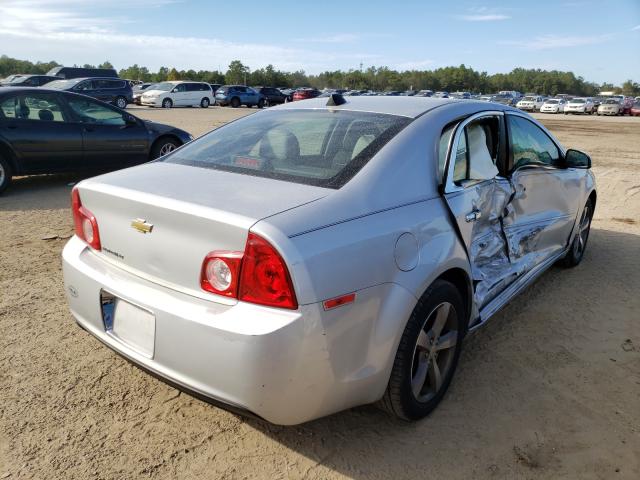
{"x": 460, "y": 78}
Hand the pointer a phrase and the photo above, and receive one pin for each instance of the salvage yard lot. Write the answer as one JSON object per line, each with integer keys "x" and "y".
{"x": 549, "y": 388}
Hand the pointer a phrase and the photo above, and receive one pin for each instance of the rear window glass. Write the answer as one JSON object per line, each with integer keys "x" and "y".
{"x": 315, "y": 147}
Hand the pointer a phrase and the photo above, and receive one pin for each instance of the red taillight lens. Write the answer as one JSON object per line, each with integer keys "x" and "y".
{"x": 221, "y": 272}
{"x": 257, "y": 275}
{"x": 86, "y": 225}
{"x": 264, "y": 277}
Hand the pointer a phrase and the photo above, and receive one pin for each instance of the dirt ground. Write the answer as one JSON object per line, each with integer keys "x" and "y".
{"x": 550, "y": 388}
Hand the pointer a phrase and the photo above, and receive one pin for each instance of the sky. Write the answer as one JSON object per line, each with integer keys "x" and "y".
{"x": 596, "y": 39}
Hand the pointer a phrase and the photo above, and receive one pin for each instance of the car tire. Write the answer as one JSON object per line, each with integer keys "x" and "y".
{"x": 204, "y": 103}
{"x": 6, "y": 173}
{"x": 579, "y": 244}
{"x": 163, "y": 146}
{"x": 421, "y": 373}
{"x": 167, "y": 103}
{"x": 261, "y": 103}
{"x": 120, "y": 102}
{"x": 235, "y": 102}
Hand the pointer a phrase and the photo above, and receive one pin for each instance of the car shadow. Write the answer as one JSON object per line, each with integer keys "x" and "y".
{"x": 41, "y": 192}
{"x": 515, "y": 407}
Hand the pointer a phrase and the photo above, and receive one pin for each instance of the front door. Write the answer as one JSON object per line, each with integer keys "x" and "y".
{"x": 546, "y": 197}
{"x": 41, "y": 133}
{"x": 477, "y": 195}
{"x": 109, "y": 140}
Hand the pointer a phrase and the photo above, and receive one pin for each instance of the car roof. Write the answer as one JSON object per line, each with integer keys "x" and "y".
{"x": 411, "y": 107}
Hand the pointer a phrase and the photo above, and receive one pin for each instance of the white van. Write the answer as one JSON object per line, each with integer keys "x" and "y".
{"x": 178, "y": 94}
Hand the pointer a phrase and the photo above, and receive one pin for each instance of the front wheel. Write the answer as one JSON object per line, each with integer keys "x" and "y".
{"x": 5, "y": 174}
{"x": 204, "y": 103}
{"x": 121, "y": 102}
{"x": 428, "y": 353}
{"x": 579, "y": 244}
{"x": 163, "y": 147}
{"x": 167, "y": 103}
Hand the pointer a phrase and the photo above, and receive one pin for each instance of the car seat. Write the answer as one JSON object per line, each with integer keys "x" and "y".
{"x": 46, "y": 115}
{"x": 481, "y": 166}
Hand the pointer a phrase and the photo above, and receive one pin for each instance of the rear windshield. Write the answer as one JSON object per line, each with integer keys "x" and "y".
{"x": 315, "y": 147}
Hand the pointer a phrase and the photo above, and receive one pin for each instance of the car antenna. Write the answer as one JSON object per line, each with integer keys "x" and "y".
{"x": 335, "y": 99}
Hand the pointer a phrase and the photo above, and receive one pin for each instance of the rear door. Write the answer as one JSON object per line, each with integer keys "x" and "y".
{"x": 179, "y": 95}
{"x": 546, "y": 195}
{"x": 41, "y": 133}
{"x": 109, "y": 138}
{"x": 477, "y": 195}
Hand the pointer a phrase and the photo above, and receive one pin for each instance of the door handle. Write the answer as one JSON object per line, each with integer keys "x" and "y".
{"x": 473, "y": 216}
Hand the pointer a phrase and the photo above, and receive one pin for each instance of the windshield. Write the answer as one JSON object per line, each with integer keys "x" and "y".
{"x": 164, "y": 86}
{"x": 611, "y": 102}
{"x": 577, "y": 100}
{"x": 315, "y": 147}
{"x": 62, "y": 84}
{"x": 528, "y": 99}
{"x": 552, "y": 102}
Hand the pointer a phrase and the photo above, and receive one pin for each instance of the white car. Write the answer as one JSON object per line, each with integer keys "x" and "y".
{"x": 579, "y": 105}
{"x": 178, "y": 94}
{"x": 530, "y": 103}
{"x": 610, "y": 106}
{"x": 553, "y": 105}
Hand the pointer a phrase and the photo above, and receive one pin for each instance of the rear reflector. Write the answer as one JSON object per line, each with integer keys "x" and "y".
{"x": 221, "y": 272}
{"x": 339, "y": 301}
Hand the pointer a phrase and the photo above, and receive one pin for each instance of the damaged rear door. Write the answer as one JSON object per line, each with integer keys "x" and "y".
{"x": 477, "y": 196}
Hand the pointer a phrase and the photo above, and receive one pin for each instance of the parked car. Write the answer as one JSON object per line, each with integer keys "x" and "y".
{"x": 530, "y": 103}
{"x": 238, "y": 95}
{"x": 553, "y": 105}
{"x": 635, "y": 109}
{"x": 76, "y": 72}
{"x": 214, "y": 87}
{"x": 298, "y": 262}
{"x": 271, "y": 95}
{"x": 611, "y": 106}
{"x": 424, "y": 93}
{"x": 138, "y": 91}
{"x": 31, "y": 81}
{"x": 110, "y": 90}
{"x": 579, "y": 105}
{"x": 10, "y": 78}
{"x": 460, "y": 95}
{"x": 178, "y": 94}
{"x": 504, "y": 99}
{"x": 627, "y": 105}
{"x": 305, "y": 94}
{"x": 441, "y": 95}
{"x": 49, "y": 131}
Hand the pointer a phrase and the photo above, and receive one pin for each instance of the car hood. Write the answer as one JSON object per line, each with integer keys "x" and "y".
{"x": 154, "y": 92}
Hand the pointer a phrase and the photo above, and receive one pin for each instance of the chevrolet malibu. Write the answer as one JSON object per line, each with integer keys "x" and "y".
{"x": 326, "y": 253}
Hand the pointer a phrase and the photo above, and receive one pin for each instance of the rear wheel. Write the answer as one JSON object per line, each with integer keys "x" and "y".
{"x": 164, "y": 146}
{"x": 167, "y": 103}
{"x": 428, "y": 353}
{"x": 579, "y": 244}
{"x": 261, "y": 103}
{"x": 235, "y": 102}
{"x": 121, "y": 102}
{"x": 6, "y": 174}
{"x": 204, "y": 103}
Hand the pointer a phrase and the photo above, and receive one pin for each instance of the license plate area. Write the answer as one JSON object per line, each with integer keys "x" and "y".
{"x": 130, "y": 324}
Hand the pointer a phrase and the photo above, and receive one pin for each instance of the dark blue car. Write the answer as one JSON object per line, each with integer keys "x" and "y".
{"x": 110, "y": 90}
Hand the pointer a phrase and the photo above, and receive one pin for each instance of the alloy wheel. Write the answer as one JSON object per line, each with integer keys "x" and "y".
{"x": 583, "y": 231}
{"x": 2, "y": 174}
{"x": 434, "y": 352}
{"x": 121, "y": 103}
{"x": 167, "y": 148}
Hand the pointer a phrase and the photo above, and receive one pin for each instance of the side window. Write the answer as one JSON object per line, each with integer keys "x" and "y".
{"x": 86, "y": 85}
{"x": 8, "y": 107}
{"x": 529, "y": 144}
{"x": 181, "y": 88}
{"x": 36, "y": 106}
{"x": 89, "y": 111}
{"x": 476, "y": 155}
{"x": 241, "y": 89}
{"x": 190, "y": 87}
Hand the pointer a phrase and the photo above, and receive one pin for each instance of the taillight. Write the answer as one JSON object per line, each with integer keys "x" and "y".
{"x": 259, "y": 275}
{"x": 86, "y": 225}
{"x": 221, "y": 272}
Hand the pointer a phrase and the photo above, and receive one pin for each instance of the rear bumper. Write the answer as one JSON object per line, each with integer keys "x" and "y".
{"x": 285, "y": 366}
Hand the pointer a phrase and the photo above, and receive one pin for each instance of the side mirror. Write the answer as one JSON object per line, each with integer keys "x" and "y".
{"x": 577, "y": 159}
{"x": 130, "y": 120}
{"x": 174, "y": 90}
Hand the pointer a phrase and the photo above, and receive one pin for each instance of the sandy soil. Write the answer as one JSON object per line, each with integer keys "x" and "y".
{"x": 550, "y": 388}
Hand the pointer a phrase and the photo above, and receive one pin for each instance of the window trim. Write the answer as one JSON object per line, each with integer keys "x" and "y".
{"x": 75, "y": 118}
{"x": 449, "y": 185}
{"x": 561, "y": 149}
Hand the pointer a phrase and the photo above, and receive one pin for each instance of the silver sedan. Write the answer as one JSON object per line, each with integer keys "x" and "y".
{"x": 326, "y": 253}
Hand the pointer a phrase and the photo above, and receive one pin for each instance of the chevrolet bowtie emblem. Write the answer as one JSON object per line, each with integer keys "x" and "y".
{"x": 141, "y": 225}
